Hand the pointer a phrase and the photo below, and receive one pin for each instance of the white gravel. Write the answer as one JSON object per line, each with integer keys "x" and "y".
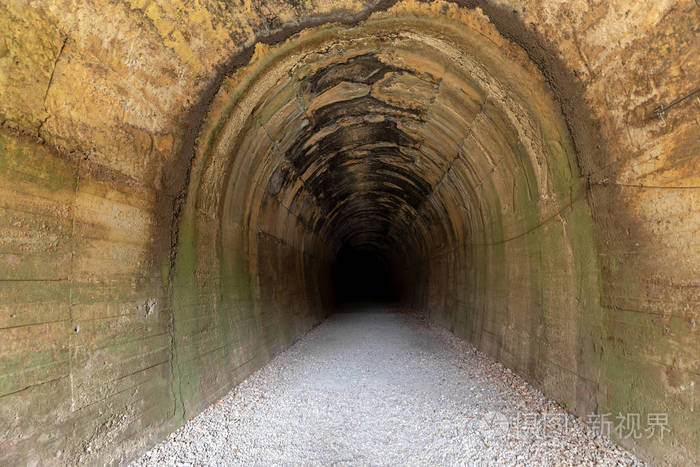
{"x": 383, "y": 388}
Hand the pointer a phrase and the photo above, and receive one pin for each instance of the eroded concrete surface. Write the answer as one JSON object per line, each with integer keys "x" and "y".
{"x": 177, "y": 176}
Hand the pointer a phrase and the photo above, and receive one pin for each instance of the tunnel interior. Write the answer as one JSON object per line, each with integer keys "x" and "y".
{"x": 411, "y": 160}
{"x": 181, "y": 206}
{"x": 362, "y": 275}
{"x": 420, "y": 160}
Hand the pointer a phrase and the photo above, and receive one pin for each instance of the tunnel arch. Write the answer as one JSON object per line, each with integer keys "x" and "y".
{"x": 428, "y": 137}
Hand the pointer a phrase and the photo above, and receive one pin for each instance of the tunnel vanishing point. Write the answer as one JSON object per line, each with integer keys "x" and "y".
{"x": 189, "y": 187}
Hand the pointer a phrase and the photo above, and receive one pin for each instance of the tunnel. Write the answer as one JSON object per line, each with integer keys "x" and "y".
{"x": 190, "y": 187}
{"x": 363, "y": 275}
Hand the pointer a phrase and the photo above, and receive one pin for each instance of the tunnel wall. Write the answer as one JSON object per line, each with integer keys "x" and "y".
{"x": 122, "y": 303}
{"x": 245, "y": 280}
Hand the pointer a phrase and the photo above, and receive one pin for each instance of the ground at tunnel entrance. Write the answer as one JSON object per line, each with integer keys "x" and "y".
{"x": 384, "y": 388}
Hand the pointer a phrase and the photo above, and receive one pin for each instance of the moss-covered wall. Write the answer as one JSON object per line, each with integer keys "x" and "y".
{"x": 177, "y": 176}
{"x": 85, "y": 349}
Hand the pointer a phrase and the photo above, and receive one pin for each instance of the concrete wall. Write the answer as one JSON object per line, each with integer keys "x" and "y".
{"x": 167, "y": 223}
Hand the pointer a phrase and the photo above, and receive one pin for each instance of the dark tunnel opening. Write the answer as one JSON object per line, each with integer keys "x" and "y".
{"x": 363, "y": 275}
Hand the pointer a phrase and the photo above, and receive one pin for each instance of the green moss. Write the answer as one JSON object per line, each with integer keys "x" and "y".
{"x": 184, "y": 308}
{"x": 165, "y": 270}
{"x": 35, "y": 165}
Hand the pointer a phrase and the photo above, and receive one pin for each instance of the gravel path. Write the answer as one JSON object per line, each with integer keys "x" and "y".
{"x": 383, "y": 388}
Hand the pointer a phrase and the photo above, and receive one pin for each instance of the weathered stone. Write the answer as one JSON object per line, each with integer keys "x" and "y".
{"x": 178, "y": 177}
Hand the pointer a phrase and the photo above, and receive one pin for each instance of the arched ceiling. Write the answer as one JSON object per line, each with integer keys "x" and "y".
{"x": 404, "y": 134}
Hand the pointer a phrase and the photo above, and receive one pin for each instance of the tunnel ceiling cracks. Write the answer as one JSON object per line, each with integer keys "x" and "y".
{"x": 413, "y": 131}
